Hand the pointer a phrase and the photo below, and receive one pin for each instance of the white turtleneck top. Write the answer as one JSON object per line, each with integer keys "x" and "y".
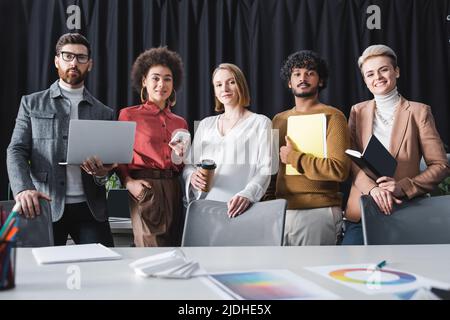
{"x": 383, "y": 120}
{"x": 74, "y": 184}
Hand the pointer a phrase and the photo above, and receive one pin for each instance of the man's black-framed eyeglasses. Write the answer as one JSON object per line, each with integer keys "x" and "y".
{"x": 69, "y": 56}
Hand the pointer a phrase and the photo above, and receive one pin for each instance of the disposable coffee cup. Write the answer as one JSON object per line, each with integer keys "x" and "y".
{"x": 207, "y": 167}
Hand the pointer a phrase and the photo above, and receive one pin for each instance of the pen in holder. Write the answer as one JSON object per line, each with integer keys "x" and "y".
{"x": 8, "y": 232}
{"x": 7, "y": 264}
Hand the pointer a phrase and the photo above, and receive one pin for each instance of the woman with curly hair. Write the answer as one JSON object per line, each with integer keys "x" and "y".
{"x": 152, "y": 176}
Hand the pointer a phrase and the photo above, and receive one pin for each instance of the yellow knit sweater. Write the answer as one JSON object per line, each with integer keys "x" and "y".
{"x": 318, "y": 186}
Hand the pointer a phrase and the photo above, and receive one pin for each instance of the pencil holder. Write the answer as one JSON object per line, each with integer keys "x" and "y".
{"x": 7, "y": 264}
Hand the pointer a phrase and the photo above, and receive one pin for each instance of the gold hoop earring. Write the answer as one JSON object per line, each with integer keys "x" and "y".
{"x": 142, "y": 95}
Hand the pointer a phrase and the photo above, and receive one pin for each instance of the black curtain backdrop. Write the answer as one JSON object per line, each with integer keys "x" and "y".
{"x": 257, "y": 35}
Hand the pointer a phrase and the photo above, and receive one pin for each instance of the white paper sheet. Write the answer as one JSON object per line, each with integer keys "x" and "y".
{"x": 74, "y": 253}
{"x": 367, "y": 279}
{"x": 170, "y": 264}
{"x": 274, "y": 284}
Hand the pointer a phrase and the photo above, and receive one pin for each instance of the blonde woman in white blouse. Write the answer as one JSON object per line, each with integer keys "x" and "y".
{"x": 238, "y": 140}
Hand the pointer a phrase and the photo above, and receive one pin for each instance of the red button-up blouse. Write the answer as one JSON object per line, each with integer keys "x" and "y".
{"x": 154, "y": 128}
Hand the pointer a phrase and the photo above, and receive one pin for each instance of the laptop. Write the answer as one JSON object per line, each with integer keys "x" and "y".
{"x": 111, "y": 141}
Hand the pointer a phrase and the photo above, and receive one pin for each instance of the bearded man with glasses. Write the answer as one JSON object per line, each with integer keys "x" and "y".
{"x": 39, "y": 142}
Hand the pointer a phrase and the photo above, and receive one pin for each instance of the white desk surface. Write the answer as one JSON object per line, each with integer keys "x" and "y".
{"x": 115, "y": 280}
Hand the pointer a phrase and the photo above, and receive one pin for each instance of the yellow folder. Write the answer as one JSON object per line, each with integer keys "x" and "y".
{"x": 309, "y": 135}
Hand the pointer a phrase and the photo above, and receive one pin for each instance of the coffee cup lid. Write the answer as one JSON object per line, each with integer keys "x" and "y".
{"x": 207, "y": 164}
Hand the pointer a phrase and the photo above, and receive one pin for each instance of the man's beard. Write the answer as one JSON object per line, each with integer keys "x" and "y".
{"x": 71, "y": 79}
{"x": 311, "y": 93}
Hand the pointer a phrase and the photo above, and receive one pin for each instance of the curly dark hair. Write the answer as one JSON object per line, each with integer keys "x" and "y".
{"x": 153, "y": 57}
{"x": 305, "y": 59}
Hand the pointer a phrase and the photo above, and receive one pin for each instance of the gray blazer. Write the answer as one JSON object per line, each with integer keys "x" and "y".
{"x": 39, "y": 142}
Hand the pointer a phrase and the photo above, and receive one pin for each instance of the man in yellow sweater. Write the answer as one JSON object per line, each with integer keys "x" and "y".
{"x": 314, "y": 215}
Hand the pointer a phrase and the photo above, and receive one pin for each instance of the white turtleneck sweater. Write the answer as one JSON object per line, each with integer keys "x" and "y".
{"x": 74, "y": 184}
{"x": 385, "y": 106}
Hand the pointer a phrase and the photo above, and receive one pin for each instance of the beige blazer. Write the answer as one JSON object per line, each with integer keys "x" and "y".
{"x": 413, "y": 135}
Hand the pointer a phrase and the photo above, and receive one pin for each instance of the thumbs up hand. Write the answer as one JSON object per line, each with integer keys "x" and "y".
{"x": 285, "y": 150}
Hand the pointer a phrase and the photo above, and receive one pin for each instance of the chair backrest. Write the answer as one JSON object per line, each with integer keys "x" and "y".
{"x": 423, "y": 165}
{"x": 36, "y": 232}
{"x": 118, "y": 203}
{"x": 207, "y": 224}
{"x": 418, "y": 221}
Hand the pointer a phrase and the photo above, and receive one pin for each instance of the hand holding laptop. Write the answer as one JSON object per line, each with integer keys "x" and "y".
{"x": 94, "y": 166}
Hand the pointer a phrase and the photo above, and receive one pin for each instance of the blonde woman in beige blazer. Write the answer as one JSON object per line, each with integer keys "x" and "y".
{"x": 405, "y": 128}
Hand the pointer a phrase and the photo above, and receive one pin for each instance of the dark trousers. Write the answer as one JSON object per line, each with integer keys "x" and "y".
{"x": 353, "y": 234}
{"x": 78, "y": 221}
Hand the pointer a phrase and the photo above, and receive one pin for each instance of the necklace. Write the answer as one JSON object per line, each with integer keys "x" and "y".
{"x": 386, "y": 121}
{"x": 221, "y": 124}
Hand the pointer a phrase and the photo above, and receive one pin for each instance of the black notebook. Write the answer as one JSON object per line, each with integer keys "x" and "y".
{"x": 375, "y": 161}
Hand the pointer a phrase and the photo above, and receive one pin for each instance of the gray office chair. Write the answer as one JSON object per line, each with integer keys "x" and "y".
{"x": 418, "y": 221}
{"x": 423, "y": 165}
{"x": 36, "y": 232}
{"x": 207, "y": 224}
